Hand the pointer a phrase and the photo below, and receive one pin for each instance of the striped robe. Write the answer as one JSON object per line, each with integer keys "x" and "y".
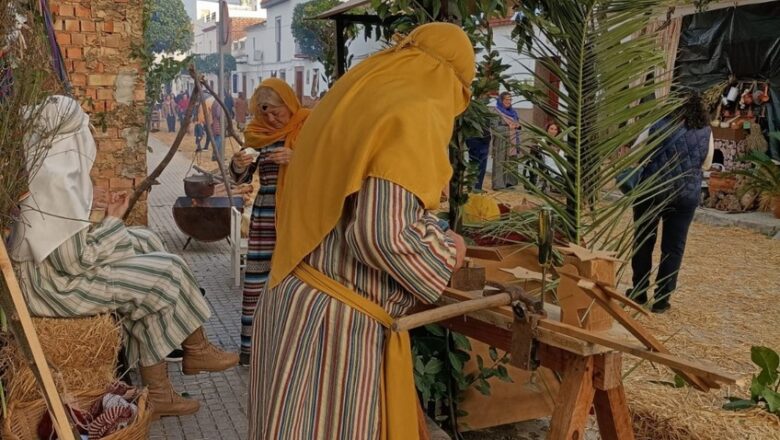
{"x": 111, "y": 268}
{"x": 316, "y": 362}
{"x": 262, "y": 238}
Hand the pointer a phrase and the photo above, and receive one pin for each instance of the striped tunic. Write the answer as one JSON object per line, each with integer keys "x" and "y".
{"x": 262, "y": 239}
{"x": 110, "y": 268}
{"x": 316, "y": 362}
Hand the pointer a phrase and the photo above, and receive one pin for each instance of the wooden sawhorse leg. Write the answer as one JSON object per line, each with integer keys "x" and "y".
{"x": 588, "y": 381}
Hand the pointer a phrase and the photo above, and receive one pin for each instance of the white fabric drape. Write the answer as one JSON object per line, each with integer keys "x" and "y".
{"x": 60, "y": 186}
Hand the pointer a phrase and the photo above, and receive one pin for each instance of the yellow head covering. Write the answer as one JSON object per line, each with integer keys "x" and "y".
{"x": 259, "y": 133}
{"x": 390, "y": 117}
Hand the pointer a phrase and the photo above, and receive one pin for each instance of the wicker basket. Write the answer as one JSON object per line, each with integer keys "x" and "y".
{"x": 23, "y": 418}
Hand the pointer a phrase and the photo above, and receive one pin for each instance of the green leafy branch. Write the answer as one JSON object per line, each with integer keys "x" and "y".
{"x": 764, "y": 387}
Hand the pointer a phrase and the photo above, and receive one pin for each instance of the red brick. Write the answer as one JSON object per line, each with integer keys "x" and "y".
{"x": 87, "y": 26}
{"x": 110, "y": 133}
{"x": 83, "y": 12}
{"x": 105, "y": 94}
{"x": 55, "y": 9}
{"x": 102, "y": 80}
{"x": 108, "y": 51}
{"x": 63, "y": 39}
{"x": 108, "y": 26}
{"x": 77, "y": 39}
{"x": 66, "y": 11}
{"x": 74, "y": 53}
{"x": 121, "y": 182}
{"x": 78, "y": 79}
{"x": 91, "y": 93}
{"x": 114, "y": 40}
{"x": 80, "y": 67}
{"x": 101, "y": 182}
{"x": 109, "y": 105}
{"x": 72, "y": 25}
{"x": 139, "y": 94}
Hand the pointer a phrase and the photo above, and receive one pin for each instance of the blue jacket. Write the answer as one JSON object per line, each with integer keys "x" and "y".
{"x": 680, "y": 157}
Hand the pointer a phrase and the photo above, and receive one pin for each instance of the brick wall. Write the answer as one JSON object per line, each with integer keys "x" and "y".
{"x": 97, "y": 38}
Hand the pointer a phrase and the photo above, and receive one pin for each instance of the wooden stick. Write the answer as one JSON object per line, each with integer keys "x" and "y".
{"x": 151, "y": 178}
{"x": 451, "y": 311}
{"x": 21, "y": 325}
{"x": 210, "y": 134}
{"x": 693, "y": 367}
{"x": 610, "y": 292}
{"x": 229, "y": 120}
{"x": 636, "y": 329}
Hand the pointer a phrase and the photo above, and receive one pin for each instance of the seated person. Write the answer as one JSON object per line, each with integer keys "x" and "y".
{"x": 70, "y": 268}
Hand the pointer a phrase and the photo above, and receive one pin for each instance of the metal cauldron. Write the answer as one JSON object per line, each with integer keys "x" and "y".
{"x": 200, "y": 186}
{"x": 205, "y": 219}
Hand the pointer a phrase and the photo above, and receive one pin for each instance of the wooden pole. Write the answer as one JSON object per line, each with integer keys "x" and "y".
{"x": 21, "y": 325}
{"x": 341, "y": 49}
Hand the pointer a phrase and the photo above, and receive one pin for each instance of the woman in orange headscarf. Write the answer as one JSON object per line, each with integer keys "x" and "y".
{"x": 358, "y": 247}
{"x": 270, "y": 139}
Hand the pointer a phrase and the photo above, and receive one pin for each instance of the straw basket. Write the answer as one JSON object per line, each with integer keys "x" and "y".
{"x": 23, "y": 418}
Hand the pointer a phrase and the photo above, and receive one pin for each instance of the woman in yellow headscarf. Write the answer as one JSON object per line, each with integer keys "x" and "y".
{"x": 358, "y": 247}
{"x": 270, "y": 139}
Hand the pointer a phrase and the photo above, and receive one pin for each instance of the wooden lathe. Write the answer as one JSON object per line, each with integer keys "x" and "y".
{"x": 582, "y": 338}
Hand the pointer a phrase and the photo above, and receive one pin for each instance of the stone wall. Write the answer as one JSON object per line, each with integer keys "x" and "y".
{"x": 97, "y": 38}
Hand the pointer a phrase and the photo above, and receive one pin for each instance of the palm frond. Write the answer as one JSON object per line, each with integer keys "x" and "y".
{"x": 602, "y": 52}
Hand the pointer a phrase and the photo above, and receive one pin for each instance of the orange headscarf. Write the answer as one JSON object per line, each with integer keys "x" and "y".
{"x": 260, "y": 134}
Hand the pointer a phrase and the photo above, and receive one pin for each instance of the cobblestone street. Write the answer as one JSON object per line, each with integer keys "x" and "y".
{"x": 222, "y": 395}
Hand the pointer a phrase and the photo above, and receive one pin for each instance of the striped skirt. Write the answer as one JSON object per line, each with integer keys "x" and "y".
{"x": 262, "y": 240}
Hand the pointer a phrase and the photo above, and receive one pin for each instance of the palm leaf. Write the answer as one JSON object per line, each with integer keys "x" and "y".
{"x": 602, "y": 52}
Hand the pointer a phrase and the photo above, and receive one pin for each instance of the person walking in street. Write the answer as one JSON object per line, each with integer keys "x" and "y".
{"x": 170, "y": 112}
{"x": 506, "y": 144}
{"x": 358, "y": 247}
{"x": 184, "y": 102}
{"x": 278, "y": 120}
{"x": 679, "y": 162}
{"x": 241, "y": 111}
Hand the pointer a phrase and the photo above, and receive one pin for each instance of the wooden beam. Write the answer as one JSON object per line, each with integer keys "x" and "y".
{"x": 636, "y": 329}
{"x": 574, "y": 401}
{"x": 21, "y": 325}
{"x": 612, "y": 414}
{"x": 697, "y": 368}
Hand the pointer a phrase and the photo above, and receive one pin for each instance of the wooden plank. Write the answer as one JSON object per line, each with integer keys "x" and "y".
{"x": 483, "y": 253}
{"x": 698, "y": 368}
{"x": 574, "y": 401}
{"x": 612, "y": 414}
{"x": 531, "y": 395}
{"x": 611, "y": 292}
{"x": 608, "y": 371}
{"x": 21, "y": 324}
{"x": 636, "y": 329}
{"x": 494, "y": 326}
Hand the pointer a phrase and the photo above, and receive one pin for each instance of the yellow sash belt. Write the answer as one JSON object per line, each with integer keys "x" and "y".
{"x": 398, "y": 396}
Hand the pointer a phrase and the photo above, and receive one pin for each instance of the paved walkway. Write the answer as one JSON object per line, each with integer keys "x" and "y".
{"x": 223, "y": 396}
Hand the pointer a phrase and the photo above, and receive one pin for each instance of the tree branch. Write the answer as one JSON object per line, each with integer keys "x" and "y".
{"x": 210, "y": 134}
{"x": 151, "y": 178}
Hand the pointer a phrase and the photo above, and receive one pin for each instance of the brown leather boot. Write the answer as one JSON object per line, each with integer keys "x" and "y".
{"x": 200, "y": 355}
{"x": 164, "y": 399}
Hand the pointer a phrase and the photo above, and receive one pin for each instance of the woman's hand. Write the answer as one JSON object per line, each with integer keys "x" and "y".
{"x": 241, "y": 160}
{"x": 282, "y": 156}
{"x": 460, "y": 248}
{"x": 118, "y": 204}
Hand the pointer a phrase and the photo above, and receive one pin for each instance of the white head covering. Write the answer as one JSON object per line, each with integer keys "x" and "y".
{"x": 60, "y": 187}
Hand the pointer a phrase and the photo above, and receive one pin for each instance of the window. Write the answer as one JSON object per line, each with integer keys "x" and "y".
{"x": 278, "y": 32}
{"x": 235, "y": 82}
{"x": 283, "y": 75}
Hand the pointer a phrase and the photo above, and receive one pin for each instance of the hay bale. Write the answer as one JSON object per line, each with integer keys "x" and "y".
{"x": 82, "y": 353}
{"x": 664, "y": 413}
